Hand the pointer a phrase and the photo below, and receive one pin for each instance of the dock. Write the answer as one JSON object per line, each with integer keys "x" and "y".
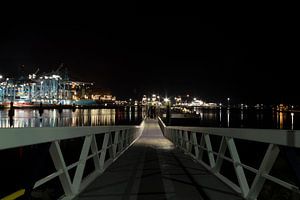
{"x": 152, "y": 168}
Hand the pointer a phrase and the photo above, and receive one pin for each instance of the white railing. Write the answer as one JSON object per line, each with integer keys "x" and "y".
{"x": 196, "y": 141}
{"x": 116, "y": 140}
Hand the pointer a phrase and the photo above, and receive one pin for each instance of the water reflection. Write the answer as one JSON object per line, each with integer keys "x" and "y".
{"x": 228, "y": 117}
{"x": 280, "y": 120}
{"x": 67, "y": 117}
{"x": 243, "y": 118}
{"x": 220, "y": 116}
{"x": 292, "y": 124}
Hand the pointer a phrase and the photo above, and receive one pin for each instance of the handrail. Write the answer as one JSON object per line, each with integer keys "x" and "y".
{"x": 113, "y": 144}
{"x": 19, "y": 137}
{"x": 275, "y": 136}
{"x": 195, "y": 141}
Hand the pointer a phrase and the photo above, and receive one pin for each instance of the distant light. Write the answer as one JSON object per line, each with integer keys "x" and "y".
{"x": 228, "y": 99}
{"x": 195, "y": 99}
{"x": 158, "y": 97}
{"x": 166, "y": 99}
{"x": 1, "y": 76}
{"x": 187, "y": 95}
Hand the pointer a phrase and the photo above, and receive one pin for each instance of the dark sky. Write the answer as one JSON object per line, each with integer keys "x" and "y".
{"x": 245, "y": 58}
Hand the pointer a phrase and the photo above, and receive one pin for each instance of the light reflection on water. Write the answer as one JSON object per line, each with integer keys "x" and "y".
{"x": 243, "y": 118}
{"x": 67, "y": 117}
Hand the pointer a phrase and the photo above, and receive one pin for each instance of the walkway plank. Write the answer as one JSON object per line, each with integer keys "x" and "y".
{"x": 153, "y": 169}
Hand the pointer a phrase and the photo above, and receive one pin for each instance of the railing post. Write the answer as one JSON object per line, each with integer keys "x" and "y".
{"x": 103, "y": 150}
{"x": 110, "y": 144}
{"x": 209, "y": 150}
{"x": 115, "y": 144}
{"x": 81, "y": 164}
{"x": 202, "y": 142}
{"x": 122, "y": 140}
{"x": 175, "y": 136}
{"x": 237, "y": 167}
{"x": 195, "y": 144}
{"x": 59, "y": 163}
{"x": 180, "y": 138}
{"x": 94, "y": 149}
{"x": 222, "y": 150}
{"x": 265, "y": 167}
{"x": 186, "y": 141}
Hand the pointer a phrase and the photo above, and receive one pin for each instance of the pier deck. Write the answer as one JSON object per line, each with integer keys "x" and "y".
{"x": 154, "y": 169}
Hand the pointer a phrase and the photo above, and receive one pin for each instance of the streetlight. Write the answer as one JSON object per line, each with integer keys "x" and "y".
{"x": 228, "y": 100}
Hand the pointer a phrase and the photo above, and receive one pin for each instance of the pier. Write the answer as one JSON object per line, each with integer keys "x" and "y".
{"x": 154, "y": 169}
{"x": 154, "y": 161}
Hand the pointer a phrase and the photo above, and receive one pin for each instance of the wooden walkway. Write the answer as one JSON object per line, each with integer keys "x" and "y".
{"x": 153, "y": 169}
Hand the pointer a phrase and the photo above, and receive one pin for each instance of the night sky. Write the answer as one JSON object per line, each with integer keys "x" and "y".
{"x": 248, "y": 59}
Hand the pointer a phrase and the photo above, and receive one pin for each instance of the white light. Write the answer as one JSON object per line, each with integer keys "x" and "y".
{"x": 1, "y": 76}
{"x": 228, "y": 99}
{"x": 166, "y": 100}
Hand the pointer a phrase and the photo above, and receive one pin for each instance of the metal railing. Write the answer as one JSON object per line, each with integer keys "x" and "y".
{"x": 116, "y": 140}
{"x": 195, "y": 141}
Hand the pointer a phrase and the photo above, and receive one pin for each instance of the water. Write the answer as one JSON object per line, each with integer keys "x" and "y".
{"x": 68, "y": 117}
{"x": 246, "y": 118}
